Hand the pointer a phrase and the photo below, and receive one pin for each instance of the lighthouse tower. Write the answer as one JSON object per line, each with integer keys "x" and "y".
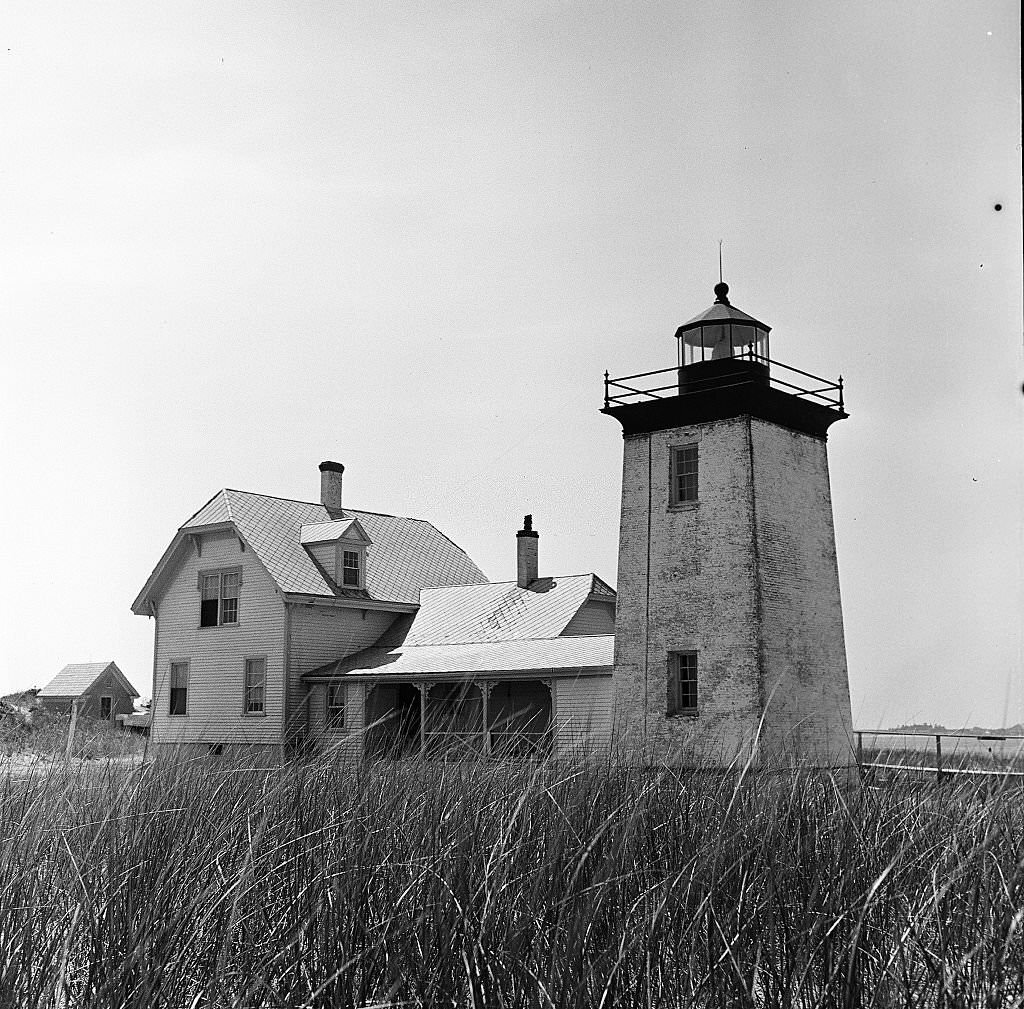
{"x": 729, "y": 626}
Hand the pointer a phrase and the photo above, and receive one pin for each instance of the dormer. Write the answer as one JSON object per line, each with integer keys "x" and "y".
{"x": 338, "y": 548}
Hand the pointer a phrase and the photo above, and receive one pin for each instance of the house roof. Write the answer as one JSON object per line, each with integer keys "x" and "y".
{"x": 559, "y": 655}
{"x": 491, "y": 628}
{"x": 406, "y": 554}
{"x": 77, "y": 677}
{"x": 501, "y": 611}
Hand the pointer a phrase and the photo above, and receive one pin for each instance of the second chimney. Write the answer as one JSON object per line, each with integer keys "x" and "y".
{"x": 330, "y": 487}
{"x": 526, "y": 553}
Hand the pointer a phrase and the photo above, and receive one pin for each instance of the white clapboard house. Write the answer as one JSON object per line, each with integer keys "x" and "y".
{"x": 285, "y": 624}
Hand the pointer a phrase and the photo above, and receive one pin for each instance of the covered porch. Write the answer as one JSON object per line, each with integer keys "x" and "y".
{"x": 459, "y": 718}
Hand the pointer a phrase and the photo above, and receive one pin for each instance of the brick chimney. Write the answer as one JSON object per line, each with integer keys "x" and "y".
{"x": 526, "y": 553}
{"x": 330, "y": 487}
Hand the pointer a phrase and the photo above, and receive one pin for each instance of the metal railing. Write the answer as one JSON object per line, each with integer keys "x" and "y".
{"x": 618, "y": 393}
{"x": 955, "y": 761}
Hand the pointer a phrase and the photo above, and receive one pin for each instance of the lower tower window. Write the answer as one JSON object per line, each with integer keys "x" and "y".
{"x": 682, "y": 683}
{"x": 683, "y": 488}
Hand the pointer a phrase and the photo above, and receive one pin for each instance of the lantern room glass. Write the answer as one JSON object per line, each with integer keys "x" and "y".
{"x": 717, "y": 341}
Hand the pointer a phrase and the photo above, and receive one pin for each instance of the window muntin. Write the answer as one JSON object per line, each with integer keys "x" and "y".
{"x": 336, "y": 705}
{"x": 229, "y": 583}
{"x": 684, "y": 474}
{"x": 219, "y": 603}
{"x": 178, "y": 704}
{"x": 351, "y": 568}
{"x": 255, "y": 686}
{"x": 682, "y": 683}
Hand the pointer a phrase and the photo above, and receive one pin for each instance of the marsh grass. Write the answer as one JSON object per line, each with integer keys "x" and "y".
{"x": 45, "y": 737}
{"x": 224, "y": 882}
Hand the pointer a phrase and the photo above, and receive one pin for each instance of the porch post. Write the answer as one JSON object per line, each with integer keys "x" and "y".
{"x": 486, "y": 686}
{"x": 422, "y": 687}
{"x": 550, "y": 684}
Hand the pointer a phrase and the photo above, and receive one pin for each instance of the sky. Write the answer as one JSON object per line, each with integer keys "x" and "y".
{"x": 240, "y": 239}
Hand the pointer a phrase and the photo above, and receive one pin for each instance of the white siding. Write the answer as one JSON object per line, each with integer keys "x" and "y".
{"x": 347, "y": 742}
{"x": 216, "y": 655}
{"x": 583, "y": 715}
{"x": 321, "y": 634}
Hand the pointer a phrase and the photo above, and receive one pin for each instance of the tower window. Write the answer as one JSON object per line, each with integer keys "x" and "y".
{"x": 682, "y": 683}
{"x": 684, "y": 474}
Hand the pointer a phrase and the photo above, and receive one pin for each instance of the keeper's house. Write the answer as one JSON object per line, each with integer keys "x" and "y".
{"x": 287, "y": 623}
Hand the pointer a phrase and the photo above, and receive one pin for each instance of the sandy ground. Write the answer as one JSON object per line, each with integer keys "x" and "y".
{"x": 30, "y": 764}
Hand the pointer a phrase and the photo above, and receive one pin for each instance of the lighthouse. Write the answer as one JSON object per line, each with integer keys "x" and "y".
{"x": 729, "y": 627}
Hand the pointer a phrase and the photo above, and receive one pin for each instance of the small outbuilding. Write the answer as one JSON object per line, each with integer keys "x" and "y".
{"x": 100, "y": 689}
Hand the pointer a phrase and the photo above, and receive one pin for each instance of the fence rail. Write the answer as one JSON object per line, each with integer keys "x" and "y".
{"x": 953, "y": 763}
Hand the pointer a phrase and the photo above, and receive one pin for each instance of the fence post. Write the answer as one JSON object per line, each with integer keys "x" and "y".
{"x": 938, "y": 758}
{"x": 71, "y": 728}
{"x": 860, "y": 750}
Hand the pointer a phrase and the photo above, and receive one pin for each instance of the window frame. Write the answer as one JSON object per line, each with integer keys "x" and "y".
{"x": 247, "y": 709}
{"x": 109, "y": 716}
{"x": 186, "y": 663}
{"x": 677, "y": 663}
{"x": 677, "y": 496}
{"x": 340, "y": 567}
{"x": 334, "y": 723}
{"x": 221, "y": 574}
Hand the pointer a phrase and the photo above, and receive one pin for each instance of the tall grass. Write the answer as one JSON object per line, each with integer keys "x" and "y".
{"x": 225, "y": 883}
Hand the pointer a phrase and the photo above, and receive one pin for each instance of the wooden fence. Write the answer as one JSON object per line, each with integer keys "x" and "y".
{"x": 960, "y": 756}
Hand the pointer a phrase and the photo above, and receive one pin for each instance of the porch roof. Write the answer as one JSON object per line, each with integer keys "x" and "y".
{"x": 560, "y": 656}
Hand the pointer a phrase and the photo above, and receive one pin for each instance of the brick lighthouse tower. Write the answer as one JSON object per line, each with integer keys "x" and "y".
{"x": 729, "y": 626}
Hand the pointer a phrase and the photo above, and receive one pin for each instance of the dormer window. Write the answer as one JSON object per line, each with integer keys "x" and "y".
{"x": 338, "y": 548}
{"x": 352, "y": 569}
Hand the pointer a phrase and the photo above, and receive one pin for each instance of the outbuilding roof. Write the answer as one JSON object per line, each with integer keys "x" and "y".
{"x": 77, "y": 677}
{"x": 406, "y": 554}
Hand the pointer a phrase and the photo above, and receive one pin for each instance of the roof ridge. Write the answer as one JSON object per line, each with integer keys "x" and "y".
{"x": 320, "y": 504}
{"x": 507, "y": 581}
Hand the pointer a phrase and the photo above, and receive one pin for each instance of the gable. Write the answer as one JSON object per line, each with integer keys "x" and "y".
{"x": 595, "y": 616}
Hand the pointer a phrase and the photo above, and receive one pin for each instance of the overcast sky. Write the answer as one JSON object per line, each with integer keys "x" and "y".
{"x": 240, "y": 239}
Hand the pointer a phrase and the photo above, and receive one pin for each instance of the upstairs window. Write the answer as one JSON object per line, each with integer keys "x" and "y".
{"x": 336, "y": 705}
{"x": 179, "y": 689}
{"x": 255, "y": 686}
{"x": 682, "y": 683}
{"x": 219, "y": 603}
{"x": 684, "y": 474}
{"x": 351, "y": 569}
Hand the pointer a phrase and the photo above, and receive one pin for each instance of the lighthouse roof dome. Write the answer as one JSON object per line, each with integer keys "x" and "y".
{"x": 721, "y": 312}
